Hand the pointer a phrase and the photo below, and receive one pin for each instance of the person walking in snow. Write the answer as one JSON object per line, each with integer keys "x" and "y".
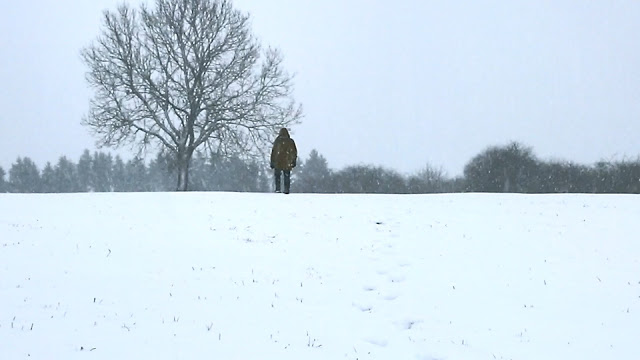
{"x": 283, "y": 159}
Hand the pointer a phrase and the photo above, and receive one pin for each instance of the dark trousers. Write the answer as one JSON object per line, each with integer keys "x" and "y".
{"x": 287, "y": 179}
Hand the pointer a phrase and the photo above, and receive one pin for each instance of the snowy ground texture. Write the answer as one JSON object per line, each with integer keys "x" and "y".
{"x": 273, "y": 276}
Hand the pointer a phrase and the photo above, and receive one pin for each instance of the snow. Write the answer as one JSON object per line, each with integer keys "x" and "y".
{"x": 302, "y": 276}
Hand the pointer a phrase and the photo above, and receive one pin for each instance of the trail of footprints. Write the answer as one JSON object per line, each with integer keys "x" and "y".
{"x": 388, "y": 277}
{"x": 381, "y": 291}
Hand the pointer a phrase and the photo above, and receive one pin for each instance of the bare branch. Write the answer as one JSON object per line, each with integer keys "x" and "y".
{"x": 185, "y": 74}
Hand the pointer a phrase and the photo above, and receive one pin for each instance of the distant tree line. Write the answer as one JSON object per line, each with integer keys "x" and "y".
{"x": 512, "y": 168}
{"x": 102, "y": 172}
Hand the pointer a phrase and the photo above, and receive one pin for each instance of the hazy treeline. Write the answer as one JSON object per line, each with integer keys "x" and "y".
{"x": 102, "y": 172}
{"x": 509, "y": 168}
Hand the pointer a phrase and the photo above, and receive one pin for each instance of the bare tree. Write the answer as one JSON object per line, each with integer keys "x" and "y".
{"x": 429, "y": 180}
{"x": 186, "y": 74}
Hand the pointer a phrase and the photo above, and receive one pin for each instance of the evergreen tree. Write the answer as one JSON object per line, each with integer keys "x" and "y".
{"x": 3, "y": 184}
{"x": 199, "y": 180}
{"x": 162, "y": 173}
{"x": 48, "y": 179}
{"x": 234, "y": 174}
{"x": 314, "y": 175}
{"x": 119, "y": 175}
{"x": 86, "y": 176}
{"x": 102, "y": 170}
{"x": 246, "y": 174}
{"x": 136, "y": 176}
{"x": 24, "y": 176}
{"x": 66, "y": 176}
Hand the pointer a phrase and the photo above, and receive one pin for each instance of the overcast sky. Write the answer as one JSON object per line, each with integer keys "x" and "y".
{"x": 400, "y": 84}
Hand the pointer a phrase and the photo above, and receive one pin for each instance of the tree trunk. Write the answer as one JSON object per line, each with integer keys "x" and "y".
{"x": 184, "y": 160}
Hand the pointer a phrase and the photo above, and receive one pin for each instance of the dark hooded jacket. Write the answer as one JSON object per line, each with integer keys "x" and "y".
{"x": 284, "y": 152}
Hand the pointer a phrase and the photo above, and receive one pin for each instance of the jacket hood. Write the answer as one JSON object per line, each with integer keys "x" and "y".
{"x": 284, "y": 132}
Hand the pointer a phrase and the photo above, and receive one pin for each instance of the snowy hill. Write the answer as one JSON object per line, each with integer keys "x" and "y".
{"x": 269, "y": 276}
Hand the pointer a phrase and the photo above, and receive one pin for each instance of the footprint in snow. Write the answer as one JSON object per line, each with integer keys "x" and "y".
{"x": 363, "y": 307}
{"x": 397, "y": 278}
{"x": 377, "y": 341}
{"x": 390, "y": 297}
{"x": 407, "y": 324}
{"x": 368, "y": 288}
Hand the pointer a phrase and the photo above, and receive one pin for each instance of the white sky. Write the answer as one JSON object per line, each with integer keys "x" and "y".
{"x": 400, "y": 84}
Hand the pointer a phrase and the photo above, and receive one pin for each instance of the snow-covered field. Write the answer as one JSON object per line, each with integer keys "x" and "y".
{"x": 300, "y": 276}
